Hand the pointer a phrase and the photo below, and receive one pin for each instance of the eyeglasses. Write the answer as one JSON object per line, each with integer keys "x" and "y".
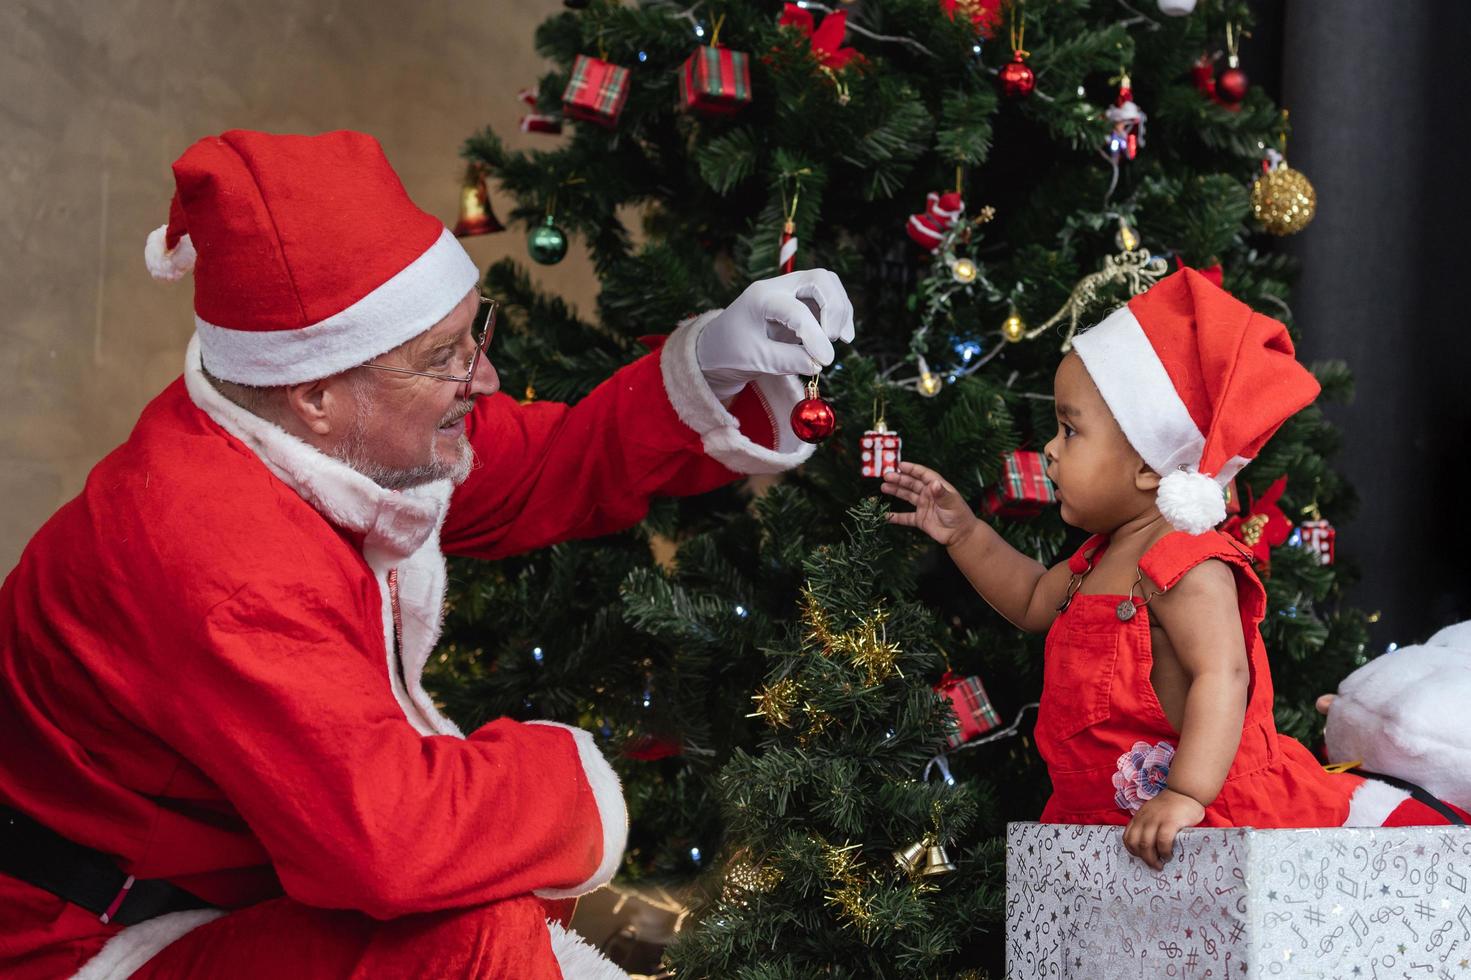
{"x": 482, "y": 328}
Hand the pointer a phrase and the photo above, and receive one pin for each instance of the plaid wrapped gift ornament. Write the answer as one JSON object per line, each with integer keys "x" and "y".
{"x": 715, "y": 81}
{"x": 879, "y": 450}
{"x": 596, "y": 91}
{"x": 1024, "y": 490}
{"x": 973, "y": 709}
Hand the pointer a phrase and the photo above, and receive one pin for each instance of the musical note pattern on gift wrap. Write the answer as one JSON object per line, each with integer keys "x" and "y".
{"x": 1378, "y": 904}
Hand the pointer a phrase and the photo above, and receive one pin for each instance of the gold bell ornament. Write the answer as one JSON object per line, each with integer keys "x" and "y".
{"x": 937, "y": 862}
{"x": 909, "y": 858}
{"x": 476, "y": 217}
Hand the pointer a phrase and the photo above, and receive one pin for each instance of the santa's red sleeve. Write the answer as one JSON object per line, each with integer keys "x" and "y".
{"x": 355, "y": 808}
{"x": 548, "y": 472}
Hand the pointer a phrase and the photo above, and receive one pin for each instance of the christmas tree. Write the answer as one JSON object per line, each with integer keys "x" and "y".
{"x": 762, "y": 660}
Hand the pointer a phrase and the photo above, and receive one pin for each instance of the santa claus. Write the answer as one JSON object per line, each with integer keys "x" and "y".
{"x": 219, "y": 758}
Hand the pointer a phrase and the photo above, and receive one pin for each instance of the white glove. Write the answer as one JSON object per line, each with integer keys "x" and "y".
{"x": 783, "y": 326}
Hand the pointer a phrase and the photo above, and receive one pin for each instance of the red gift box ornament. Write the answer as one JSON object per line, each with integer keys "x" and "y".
{"x": 1024, "y": 490}
{"x": 1319, "y": 536}
{"x": 715, "y": 80}
{"x": 973, "y": 709}
{"x": 880, "y": 450}
{"x": 596, "y": 91}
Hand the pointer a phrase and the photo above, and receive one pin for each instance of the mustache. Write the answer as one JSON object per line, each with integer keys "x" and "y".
{"x": 459, "y": 411}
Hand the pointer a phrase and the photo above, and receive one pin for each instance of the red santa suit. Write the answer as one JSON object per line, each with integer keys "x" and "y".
{"x": 211, "y": 660}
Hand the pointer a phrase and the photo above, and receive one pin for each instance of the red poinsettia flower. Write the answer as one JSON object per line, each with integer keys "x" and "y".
{"x": 1262, "y": 526}
{"x": 826, "y": 40}
{"x": 984, "y": 14}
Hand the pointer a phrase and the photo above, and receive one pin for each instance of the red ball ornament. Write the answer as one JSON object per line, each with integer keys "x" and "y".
{"x": 1017, "y": 79}
{"x": 813, "y": 419}
{"x": 1231, "y": 86}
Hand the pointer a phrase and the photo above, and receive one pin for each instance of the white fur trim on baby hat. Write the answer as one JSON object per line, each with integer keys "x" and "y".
{"x": 168, "y": 264}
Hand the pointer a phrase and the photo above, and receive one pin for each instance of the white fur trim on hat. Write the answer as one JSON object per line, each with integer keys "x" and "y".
{"x": 1138, "y": 390}
{"x": 418, "y": 297}
{"x": 168, "y": 264}
{"x": 612, "y": 813}
{"x": 720, "y": 432}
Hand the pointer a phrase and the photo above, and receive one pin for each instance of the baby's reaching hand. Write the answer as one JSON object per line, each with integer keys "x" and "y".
{"x": 939, "y": 511}
{"x": 1150, "y": 836}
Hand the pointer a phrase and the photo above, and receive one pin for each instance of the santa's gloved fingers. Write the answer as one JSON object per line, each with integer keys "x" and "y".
{"x": 779, "y": 358}
{"x": 835, "y": 310}
{"x": 791, "y": 313}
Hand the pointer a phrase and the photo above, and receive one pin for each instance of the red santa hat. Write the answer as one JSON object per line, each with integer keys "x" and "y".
{"x": 308, "y": 256}
{"x": 1199, "y": 382}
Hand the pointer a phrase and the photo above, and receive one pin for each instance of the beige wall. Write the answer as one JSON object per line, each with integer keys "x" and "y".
{"x": 99, "y": 97}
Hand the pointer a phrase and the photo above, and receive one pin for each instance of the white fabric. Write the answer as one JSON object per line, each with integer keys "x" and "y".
{"x": 137, "y": 944}
{"x": 577, "y": 959}
{"x": 405, "y": 306}
{"x": 1138, "y": 390}
{"x": 1405, "y": 714}
{"x": 168, "y": 264}
{"x": 780, "y": 326}
{"x": 720, "y": 433}
{"x": 608, "y": 793}
{"x": 1372, "y": 803}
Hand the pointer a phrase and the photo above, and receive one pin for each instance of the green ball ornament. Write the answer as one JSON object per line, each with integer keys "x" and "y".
{"x": 547, "y": 244}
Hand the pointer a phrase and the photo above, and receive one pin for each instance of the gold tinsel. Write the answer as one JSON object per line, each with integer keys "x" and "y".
{"x": 775, "y": 702}
{"x": 847, "y": 894}
{"x": 814, "y": 617}
{"x": 867, "y": 647}
{"x": 1283, "y": 200}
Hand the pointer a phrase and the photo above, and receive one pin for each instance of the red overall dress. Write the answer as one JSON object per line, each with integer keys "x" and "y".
{"x": 1098, "y": 702}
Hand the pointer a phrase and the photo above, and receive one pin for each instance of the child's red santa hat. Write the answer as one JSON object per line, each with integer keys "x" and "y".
{"x": 308, "y": 256}
{"x": 1199, "y": 382}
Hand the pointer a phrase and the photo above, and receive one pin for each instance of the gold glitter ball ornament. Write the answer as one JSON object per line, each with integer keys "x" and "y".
{"x": 1283, "y": 200}
{"x": 744, "y": 878}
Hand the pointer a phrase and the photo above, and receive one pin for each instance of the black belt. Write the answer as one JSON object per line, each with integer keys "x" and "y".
{"x": 1416, "y": 792}
{"x": 39, "y": 856}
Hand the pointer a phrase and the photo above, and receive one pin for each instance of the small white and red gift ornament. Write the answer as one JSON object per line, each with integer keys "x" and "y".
{"x": 941, "y": 212}
{"x": 1316, "y": 535}
{"x": 880, "y": 449}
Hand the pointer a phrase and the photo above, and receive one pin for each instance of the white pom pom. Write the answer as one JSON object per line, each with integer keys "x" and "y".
{"x": 164, "y": 263}
{"x": 1191, "y": 502}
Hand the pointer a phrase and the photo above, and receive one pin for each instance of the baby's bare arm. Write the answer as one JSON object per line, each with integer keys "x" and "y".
{"x": 1200, "y": 617}
{"x": 1022, "y": 589}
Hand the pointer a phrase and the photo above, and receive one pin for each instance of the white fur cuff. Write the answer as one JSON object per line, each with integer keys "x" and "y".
{"x": 719, "y": 430}
{"x": 608, "y": 794}
{"x": 577, "y": 959}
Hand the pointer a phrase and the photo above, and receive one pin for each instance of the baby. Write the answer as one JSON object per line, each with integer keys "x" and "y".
{"x": 1156, "y": 694}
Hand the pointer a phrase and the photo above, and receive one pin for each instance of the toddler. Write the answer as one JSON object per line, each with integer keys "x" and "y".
{"x": 1156, "y": 694}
